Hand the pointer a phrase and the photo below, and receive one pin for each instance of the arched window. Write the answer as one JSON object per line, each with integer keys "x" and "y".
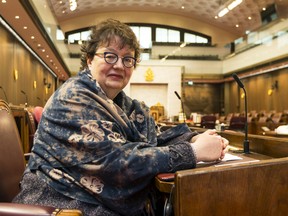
{"x": 149, "y": 34}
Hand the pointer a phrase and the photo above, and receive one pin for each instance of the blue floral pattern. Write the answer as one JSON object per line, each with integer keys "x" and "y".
{"x": 104, "y": 152}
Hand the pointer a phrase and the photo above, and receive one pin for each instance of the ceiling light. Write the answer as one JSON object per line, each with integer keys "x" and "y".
{"x": 228, "y": 7}
{"x": 73, "y": 5}
{"x": 17, "y": 17}
{"x": 234, "y": 4}
{"x": 223, "y": 12}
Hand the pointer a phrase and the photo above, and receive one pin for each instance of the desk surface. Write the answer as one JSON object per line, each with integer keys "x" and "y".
{"x": 274, "y": 134}
{"x": 165, "y": 181}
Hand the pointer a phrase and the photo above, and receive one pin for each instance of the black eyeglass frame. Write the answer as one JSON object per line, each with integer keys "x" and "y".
{"x": 104, "y": 55}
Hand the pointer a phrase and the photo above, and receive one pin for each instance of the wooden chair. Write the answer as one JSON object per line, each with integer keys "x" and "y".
{"x": 12, "y": 165}
{"x": 32, "y": 127}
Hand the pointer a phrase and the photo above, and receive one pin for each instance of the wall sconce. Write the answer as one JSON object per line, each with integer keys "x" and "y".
{"x": 45, "y": 81}
{"x": 34, "y": 84}
{"x": 48, "y": 85}
{"x": 243, "y": 95}
{"x": 15, "y": 73}
{"x": 273, "y": 87}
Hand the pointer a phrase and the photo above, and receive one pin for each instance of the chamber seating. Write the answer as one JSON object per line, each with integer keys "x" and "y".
{"x": 237, "y": 123}
{"x": 37, "y": 114}
{"x": 208, "y": 121}
{"x": 31, "y": 126}
{"x": 12, "y": 165}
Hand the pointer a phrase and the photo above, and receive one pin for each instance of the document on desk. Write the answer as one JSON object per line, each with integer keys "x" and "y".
{"x": 228, "y": 160}
{"x": 230, "y": 157}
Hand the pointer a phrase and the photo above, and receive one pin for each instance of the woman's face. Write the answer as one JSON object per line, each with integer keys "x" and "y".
{"x": 112, "y": 78}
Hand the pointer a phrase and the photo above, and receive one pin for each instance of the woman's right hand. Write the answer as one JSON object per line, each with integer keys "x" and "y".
{"x": 209, "y": 146}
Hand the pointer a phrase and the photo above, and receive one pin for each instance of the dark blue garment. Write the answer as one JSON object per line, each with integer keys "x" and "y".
{"x": 103, "y": 152}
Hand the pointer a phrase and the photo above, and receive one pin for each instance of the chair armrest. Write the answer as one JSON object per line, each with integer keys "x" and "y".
{"x": 9, "y": 209}
{"x": 27, "y": 156}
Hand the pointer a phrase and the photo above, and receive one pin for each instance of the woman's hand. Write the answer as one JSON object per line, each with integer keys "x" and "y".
{"x": 209, "y": 146}
{"x": 225, "y": 149}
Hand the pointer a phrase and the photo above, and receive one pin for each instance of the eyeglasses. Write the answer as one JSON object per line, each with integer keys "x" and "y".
{"x": 112, "y": 58}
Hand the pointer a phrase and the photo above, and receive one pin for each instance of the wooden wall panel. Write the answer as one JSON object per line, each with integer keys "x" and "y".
{"x": 202, "y": 98}
{"x": 257, "y": 93}
{"x": 14, "y": 56}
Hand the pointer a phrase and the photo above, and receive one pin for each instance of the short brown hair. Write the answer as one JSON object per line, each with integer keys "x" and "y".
{"x": 103, "y": 34}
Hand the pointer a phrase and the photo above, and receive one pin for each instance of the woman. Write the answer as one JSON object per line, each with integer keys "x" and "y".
{"x": 96, "y": 149}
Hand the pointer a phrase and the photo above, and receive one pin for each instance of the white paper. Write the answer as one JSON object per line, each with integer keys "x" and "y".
{"x": 230, "y": 157}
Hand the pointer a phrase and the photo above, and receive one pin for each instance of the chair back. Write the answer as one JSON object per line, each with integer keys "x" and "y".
{"x": 32, "y": 128}
{"x": 12, "y": 163}
{"x": 208, "y": 121}
{"x": 237, "y": 123}
{"x": 37, "y": 113}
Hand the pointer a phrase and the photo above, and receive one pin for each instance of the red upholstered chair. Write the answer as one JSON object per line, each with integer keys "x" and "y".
{"x": 237, "y": 123}
{"x": 12, "y": 165}
{"x": 208, "y": 121}
{"x": 37, "y": 113}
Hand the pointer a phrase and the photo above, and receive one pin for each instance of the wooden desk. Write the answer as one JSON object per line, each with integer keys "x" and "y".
{"x": 252, "y": 188}
{"x": 275, "y": 147}
{"x": 165, "y": 186}
{"x": 274, "y": 134}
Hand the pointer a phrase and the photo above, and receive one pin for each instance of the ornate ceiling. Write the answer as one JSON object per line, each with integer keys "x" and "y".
{"x": 203, "y": 10}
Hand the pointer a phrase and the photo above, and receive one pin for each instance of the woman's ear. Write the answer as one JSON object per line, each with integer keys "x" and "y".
{"x": 89, "y": 63}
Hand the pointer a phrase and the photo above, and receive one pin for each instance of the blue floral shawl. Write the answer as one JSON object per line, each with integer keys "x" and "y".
{"x": 104, "y": 152}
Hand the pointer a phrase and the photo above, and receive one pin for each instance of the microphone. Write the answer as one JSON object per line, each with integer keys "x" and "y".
{"x": 236, "y": 78}
{"x": 246, "y": 141}
{"x": 182, "y": 106}
{"x": 25, "y": 96}
{"x": 4, "y": 93}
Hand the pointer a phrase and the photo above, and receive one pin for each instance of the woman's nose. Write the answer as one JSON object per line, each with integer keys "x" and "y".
{"x": 119, "y": 63}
